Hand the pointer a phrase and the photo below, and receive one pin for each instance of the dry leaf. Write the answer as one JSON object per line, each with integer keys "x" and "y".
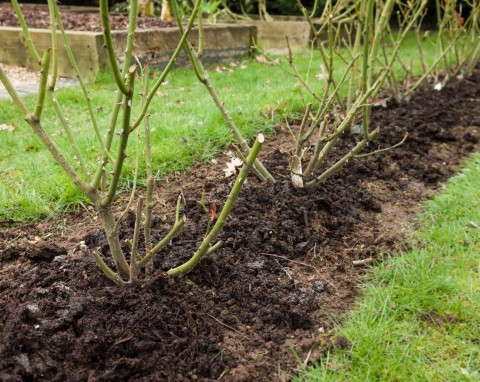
{"x": 382, "y": 102}
{"x": 213, "y": 212}
{"x": 222, "y": 68}
{"x": 35, "y": 240}
{"x": 264, "y": 60}
{"x": 231, "y": 168}
{"x": 5, "y": 127}
{"x": 323, "y": 75}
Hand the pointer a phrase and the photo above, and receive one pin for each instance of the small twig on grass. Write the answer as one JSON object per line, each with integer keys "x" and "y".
{"x": 307, "y": 358}
{"x": 474, "y": 225}
{"x": 359, "y": 263}
{"x": 10, "y": 221}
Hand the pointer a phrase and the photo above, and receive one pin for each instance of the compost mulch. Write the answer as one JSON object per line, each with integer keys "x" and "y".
{"x": 37, "y": 16}
{"x": 276, "y": 288}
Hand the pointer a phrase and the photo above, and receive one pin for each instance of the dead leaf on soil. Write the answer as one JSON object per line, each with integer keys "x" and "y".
{"x": 231, "y": 168}
{"x": 382, "y": 102}
{"x": 5, "y": 127}
{"x": 35, "y": 240}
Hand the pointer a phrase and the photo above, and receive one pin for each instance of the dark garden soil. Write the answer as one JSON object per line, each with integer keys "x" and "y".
{"x": 37, "y": 16}
{"x": 283, "y": 278}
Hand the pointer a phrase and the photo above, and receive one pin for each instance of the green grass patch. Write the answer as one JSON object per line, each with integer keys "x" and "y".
{"x": 419, "y": 317}
{"x": 186, "y": 125}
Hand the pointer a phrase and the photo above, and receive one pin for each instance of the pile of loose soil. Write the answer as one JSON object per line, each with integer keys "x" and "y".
{"x": 37, "y": 16}
{"x": 283, "y": 277}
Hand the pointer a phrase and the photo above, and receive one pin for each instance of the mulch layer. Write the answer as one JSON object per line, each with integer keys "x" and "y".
{"x": 37, "y": 16}
{"x": 283, "y": 278}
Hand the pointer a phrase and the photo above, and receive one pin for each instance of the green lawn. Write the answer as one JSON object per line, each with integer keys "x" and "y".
{"x": 186, "y": 127}
{"x": 419, "y": 317}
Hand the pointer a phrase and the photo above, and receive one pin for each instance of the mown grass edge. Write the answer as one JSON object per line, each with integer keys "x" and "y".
{"x": 419, "y": 315}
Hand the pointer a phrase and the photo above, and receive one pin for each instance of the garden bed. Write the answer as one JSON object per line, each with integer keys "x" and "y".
{"x": 155, "y": 40}
{"x": 283, "y": 277}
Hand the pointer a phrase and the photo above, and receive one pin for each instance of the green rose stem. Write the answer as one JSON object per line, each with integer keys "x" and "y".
{"x": 51, "y": 86}
{"x": 107, "y": 36}
{"x": 102, "y": 194}
{"x": 34, "y": 122}
{"x": 105, "y": 213}
{"x": 368, "y": 26}
{"x": 26, "y": 33}
{"x": 151, "y": 253}
{"x": 203, "y": 77}
{"x": 42, "y": 87}
{"x": 124, "y": 134}
{"x": 205, "y": 246}
{"x": 12, "y": 92}
{"x": 53, "y": 77}
{"x": 101, "y": 173}
{"x": 328, "y": 125}
{"x": 148, "y": 166}
{"x": 136, "y": 235}
{"x": 69, "y": 131}
{"x": 86, "y": 96}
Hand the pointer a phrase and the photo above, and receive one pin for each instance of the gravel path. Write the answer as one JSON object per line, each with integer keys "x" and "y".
{"x": 26, "y": 82}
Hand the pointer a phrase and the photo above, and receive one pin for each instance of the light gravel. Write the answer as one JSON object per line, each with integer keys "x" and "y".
{"x": 26, "y": 81}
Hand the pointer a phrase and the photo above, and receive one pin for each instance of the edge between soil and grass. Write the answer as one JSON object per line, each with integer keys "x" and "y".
{"x": 186, "y": 127}
{"x": 419, "y": 317}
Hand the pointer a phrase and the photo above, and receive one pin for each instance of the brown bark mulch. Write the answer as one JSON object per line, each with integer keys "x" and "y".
{"x": 37, "y": 16}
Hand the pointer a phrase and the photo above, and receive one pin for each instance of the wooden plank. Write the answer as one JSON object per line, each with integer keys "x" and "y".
{"x": 14, "y": 51}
